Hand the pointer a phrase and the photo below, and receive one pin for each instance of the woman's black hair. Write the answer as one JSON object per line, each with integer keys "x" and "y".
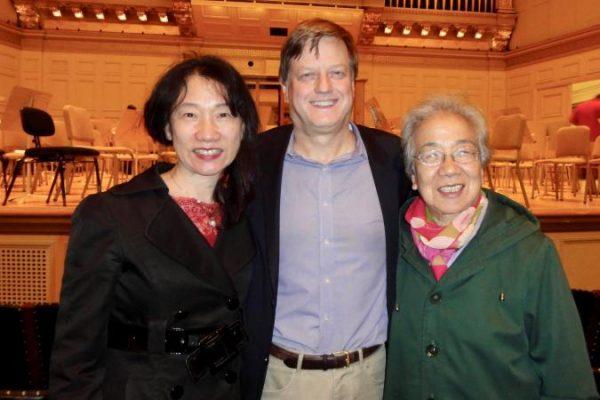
{"x": 235, "y": 187}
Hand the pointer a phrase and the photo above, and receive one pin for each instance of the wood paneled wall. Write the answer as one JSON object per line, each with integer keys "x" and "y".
{"x": 543, "y": 89}
{"x": 9, "y": 71}
{"x": 400, "y": 83}
{"x": 105, "y": 76}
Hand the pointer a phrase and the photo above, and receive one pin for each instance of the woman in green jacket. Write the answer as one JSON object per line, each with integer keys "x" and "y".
{"x": 484, "y": 310}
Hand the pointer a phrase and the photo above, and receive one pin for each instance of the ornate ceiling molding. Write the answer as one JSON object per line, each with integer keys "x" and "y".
{"x": 27, "y": 12}
{"x": 436, "y": 28}
{"x": 371, "y": 22}
{"x": 182, "y": 10}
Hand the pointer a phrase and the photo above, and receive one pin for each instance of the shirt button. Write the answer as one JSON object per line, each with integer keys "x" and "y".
{"x": 432, "y": 350}
{"x": 435, "y": 298}
{"x": 177, "y": 392}
{"x": 325, "y": 204}
{"x": 396, "y": 307}
{"x": 327, "y": 280}
{"x": 326, "y": 241}
{"x": 326, "y": 318}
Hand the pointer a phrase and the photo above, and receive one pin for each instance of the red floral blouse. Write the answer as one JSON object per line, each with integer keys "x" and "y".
{"x": 208, "y": 217}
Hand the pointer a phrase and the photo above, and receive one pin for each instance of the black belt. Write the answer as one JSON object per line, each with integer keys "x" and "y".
{"x": 209, "y": 350}
{"x": 325, "y": 361}
{"x": 134, "y": 338}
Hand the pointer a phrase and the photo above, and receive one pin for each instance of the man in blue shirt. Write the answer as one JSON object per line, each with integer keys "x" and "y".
{"x": 325, "y": 221}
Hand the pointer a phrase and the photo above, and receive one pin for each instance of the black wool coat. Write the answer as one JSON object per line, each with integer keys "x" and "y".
{"x": 385, "y": 159}
{"x": 135, "y": 257}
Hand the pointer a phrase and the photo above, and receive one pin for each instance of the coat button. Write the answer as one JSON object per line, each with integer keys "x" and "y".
{"x": 181, "y": 314}
{"x": 230, "y": 376}
{"x": 232, "y": 303}
{"x": 177, "y": 392}
{"x": 432, "y": 350}
{"x": 435, "y": 298}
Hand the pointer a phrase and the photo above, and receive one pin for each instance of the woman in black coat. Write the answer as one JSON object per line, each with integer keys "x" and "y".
{"x": 157, "y": 268}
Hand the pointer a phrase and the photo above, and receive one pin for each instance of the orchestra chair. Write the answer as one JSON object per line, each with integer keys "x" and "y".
{"x": 131, "y": 134}
{"x": 506, "y": 141}
{"x": 38, "y": 123}
{"x": 542, "y": 171}
{"x": 595, "y": 164}
{"x": 81, "y": 132}
{"x": 572, "y": 153}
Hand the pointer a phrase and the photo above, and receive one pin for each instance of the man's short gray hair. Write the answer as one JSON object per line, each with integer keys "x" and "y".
{"x": 443, "y": 104}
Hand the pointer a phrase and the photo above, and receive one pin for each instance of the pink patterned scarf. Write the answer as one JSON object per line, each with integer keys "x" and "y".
{"x": 437, "y": 244}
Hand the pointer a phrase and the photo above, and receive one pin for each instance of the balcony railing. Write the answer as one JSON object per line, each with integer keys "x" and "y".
{"x": 480, "y": 6}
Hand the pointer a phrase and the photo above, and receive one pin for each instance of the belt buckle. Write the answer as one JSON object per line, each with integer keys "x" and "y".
{"x": 346, "y": 355}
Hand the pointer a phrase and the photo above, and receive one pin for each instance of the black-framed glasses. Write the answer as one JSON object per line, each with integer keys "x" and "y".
{"x": 433, "y": 158}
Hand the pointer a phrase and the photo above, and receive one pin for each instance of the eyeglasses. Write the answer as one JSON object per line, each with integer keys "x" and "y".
{"x": 434, "y": 158}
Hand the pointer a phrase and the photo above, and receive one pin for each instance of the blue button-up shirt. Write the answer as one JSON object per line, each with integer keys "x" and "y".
{"x": 332, "y": 267}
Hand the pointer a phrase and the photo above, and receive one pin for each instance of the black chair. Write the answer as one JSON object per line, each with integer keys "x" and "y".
{"x": 28, "y": 333}
{"x": 588, "y": 305}
{"x": 39, "y": 123}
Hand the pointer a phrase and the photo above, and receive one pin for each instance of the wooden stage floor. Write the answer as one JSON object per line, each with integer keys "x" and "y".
{"x": 29, "y": 213}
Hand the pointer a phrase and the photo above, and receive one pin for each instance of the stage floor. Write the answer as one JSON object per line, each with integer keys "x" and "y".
{"x": 32, "y": 210}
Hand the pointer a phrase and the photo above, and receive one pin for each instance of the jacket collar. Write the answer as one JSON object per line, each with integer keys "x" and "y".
{"x": 174, "y": 234}
{"x": 271, "y": 165}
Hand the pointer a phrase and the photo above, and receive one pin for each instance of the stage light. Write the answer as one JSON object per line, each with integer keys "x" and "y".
{"x": 121, "y": 15}
{"x": 163, "y": 17}
{"x": 100, "y": 15}
{"x": 388, "y": 29}
{"x": 460, "y": 33}
{"x": 425, "y": 30}
{"x": 406, "y": 30}
{"x": 478, "y": 34}
{"x": 56, "y": 12}
{"x": 443, "y": 31}
{"x": 142, "y": 16}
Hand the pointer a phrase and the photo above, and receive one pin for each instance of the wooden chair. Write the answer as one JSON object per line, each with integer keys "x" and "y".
{"x": 595, "y": 164}
{"x": 572, "y": 153}
{"x": 505, "y": 143}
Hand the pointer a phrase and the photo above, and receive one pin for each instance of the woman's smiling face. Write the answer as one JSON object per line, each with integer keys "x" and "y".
{"x": 450, "y": 187}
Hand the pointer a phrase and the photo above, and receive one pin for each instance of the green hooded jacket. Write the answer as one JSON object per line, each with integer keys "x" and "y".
{"x": 500, "y": 324}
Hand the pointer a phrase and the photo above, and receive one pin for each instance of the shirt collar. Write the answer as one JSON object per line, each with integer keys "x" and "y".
{"x": 359, "y": 153}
